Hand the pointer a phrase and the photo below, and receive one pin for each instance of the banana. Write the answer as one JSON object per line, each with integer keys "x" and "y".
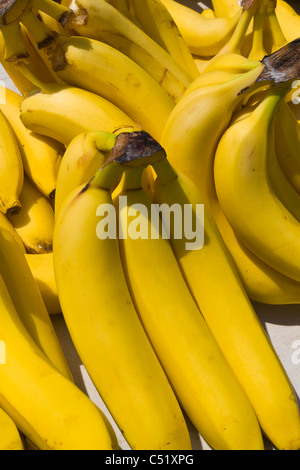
{"x": 84, "y": 156}
{"x": 35, "y": 222}
{"x": 10, "y": 438}
{"x": 121, "y": 5}
{"x": 204, "y": 36}
{"x": 158, "y": 23}
{"x": 258, "y": 216}
{"x": 28, "y": 301}
{"x": 208, "y": 13}
{"x": 105, "y": 23}
{"x": 262, "y": 283}
{"x": 77, "y": 60}
{"x": 287, "y": 135}
{"x": 273, "y": 34}
{"x": 5, "y": 224}
{"x": 103, "y": 322}
{"x": 288, "y": 19}
{"x": 41, "y": 156}
{"x": 231, "y": 62}
{"x": 63, "y": 112}
{"x": 52, "y": 412}
{"x": 12, "y": 170}
{"x": 216, "y": 287}
{"x": 42, "y": 269}
{"x": 258, "y": 50}
{"x": 225, "y": 8}
{"x": 205, "y": 385}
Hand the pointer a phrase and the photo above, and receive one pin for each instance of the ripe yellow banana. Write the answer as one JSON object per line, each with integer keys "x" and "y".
{"x": 204, "y": 36}
{"x": 287, "y": 135}
{"x": 104, "y": 324}
{"x": 274, "y": 36}
{"x": 35, "y": 222}
{"x": 63, "y": 112}
{"x": 10, "y": 438}
{"x": 84, "y": 156}
{"x": 77, "y": 60}
{"x": 28, "y": 301}
{"x": 105, "y": 23}
{"x": 47, "y": 408}
{"x": 251, "y": 204}
{"x": 216, "y": 286}
{"x": 205, "y": 385}
{"x": 7, "y": 225}
{"x": 42, "y": 269}
{"x": 12, "y": 170}
{"x": 262, "y": 283}
{"x": 289, "y": 20}
{"x": 41, "y": 155}
{"x": 225, "y": 8}
{"x": 158, "y": 23}
{"x": 231, "y": 62}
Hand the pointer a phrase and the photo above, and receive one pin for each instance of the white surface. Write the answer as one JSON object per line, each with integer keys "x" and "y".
{"x": 282, "y": 323}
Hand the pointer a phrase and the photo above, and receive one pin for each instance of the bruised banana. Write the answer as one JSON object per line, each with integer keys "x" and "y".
{"x": 105, "y": 23}
{"x": 10, "y": 438}
{"x": 42, "y": 269}
{"x": 80, "y": 426}
{"x": 12, "y": 170}
{"x": 77, "y": 60}
{"x": 35, "y": 222}
{"x": 103, "y": 322}
{"x": 287, "y": 135}
{"x": 204, "y": 36}
{"x": 41, "y": 155}
{"x": 216, "y": 287}
{"x": 63, "y": 112}
{"x": 28, "y": 301}
{"x": 158, "y": 23}
{"x": 84, "y": 156}
{"x": 205, "y": 385}
{"x": 259, "y": 216}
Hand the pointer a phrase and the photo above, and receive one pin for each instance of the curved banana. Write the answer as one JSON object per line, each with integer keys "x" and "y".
{"x": 204, "y": 36}
{"x": 84, "y": 156}
{"x": 287, "y": 135}
{"x": 258, "y": 216}
{"x": 10, "y": 438}
{"x": 104, "y": 324}
{"x": 274, "y": 37}
{"x": 289, "y": 20}
{"x": 231, "y": 62}
{"x": 42, "y": 269}
{"x": 105, "y": 23}
{"x": 41, "y": 155}
{"x": 77, "y": 60}
{"x": 56, "y": 414}
{"x": 158, "y": 23}
{"x": 12, "y": 170}
{"x": 35, "y": 222}
{"x": 28, "y": 301}
{"x": 216, "y": 287}
{"x": 7, "y": 225}
{"x": 63, "y": 112}
{"x": 207, "y": 389}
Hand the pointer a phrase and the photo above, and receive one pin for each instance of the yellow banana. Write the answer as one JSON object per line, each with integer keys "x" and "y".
{"x": 287, "y": 135}
{"x": 258, "y": 50}
{"x": 52, "y": 412}
{"x": 258, "y": 216}
{"x": 231, "y": 62}
{"x": 216, "y": 286}
{"x": 41, "y": 155}
{"x": 121, "y": 5}
{"x": 84, "y": 156}
{"x": 225, "y": 8}
{"x": 158, "y": 23}
{"x": 207, "y": 389}
{"x": 208, "y": 13}
{"x": 28, "y": 301}
{"x": 105, "y": 23}
{"x": 63, "y": 112}
{"x": 289, "y": 20}
{"x": 12, "y": 170}
{"x": 10, "y": 438}
{"x": 104, "y": 324}
{"x": 204, "y": 36}
{"x": 77, "y": 60}
{"x": 273, "y": 34}
{"x": 35, "y": 222}
{"x": 42, "y": 269}
{"x": 7, "y": 225}
{"x": 262, "y": 283}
